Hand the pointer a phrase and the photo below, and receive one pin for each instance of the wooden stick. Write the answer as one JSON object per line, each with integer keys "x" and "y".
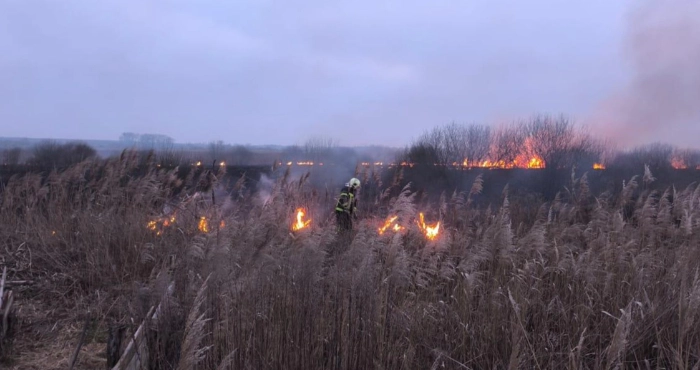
{"x": 5, "y": 325}
{"x": 2, "y": 284}
{"x": 10, "y": 283}
{"x": 80, "y": 343}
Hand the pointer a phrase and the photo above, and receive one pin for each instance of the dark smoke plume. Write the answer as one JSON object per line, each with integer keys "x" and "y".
{"x": 662, "y": 100}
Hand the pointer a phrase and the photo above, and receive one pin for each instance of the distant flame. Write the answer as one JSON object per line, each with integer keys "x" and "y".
{"x": 598, "y": 166}
{"x": 390, "y": 224}
{"x": 222, "y": 224}
{"x": 160, "y": 223}
{"x": 679, "y": 164}
{"x": 431, "y": 232}
{"x": 521, "y": 161}
{"x": 300, "y": 223}
{"x": 199, "y": 163}
{"x": 203, "y": 225}
{"x": 222, "y": 164}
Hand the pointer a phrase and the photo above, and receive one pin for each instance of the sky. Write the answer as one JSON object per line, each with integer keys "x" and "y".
{"x": 364, "y": 72}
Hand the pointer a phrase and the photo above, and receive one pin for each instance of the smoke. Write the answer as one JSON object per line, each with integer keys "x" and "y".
{"x": 660, "y": 103}
{"x": 264, "y": 190}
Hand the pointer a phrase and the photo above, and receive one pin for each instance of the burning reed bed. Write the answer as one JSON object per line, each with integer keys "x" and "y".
{"x": 581, "y": 282}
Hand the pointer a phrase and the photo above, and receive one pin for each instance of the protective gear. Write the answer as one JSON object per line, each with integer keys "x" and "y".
{"x": 347, "y": 205}
{"x": 355, "y": 183}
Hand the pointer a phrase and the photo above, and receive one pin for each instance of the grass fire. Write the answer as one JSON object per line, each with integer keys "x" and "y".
{"x": 389, "y": 186}
{"x": 390, "y": 224}
{"x": 299, "y": 220}
{"x": 485, "y": 241}
{"x": 430, "y": 232}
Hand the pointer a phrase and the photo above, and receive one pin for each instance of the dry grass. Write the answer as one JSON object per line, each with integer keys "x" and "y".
{"x": 583, "y": 282}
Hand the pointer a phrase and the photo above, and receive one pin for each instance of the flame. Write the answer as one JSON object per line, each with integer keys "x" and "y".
{"x": 679, "y": 164}
{"x": 431, "y": 232}
{"x": 521, "y": 161}
{"x": 222, "y": 164}
{"x": 598, "y": 166}
{"x": 289, "y": 163}
{"x": 164, "y": 222}
{"x": 203, "y": 225}
{"x": 300, "y": 223}
{"x": 222, "y": 224}
{"x": 390, "y": 224}
{"x": 199, "y": 163}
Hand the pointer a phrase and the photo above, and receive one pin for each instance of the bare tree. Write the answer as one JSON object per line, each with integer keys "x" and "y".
{"x": 129, "y": 138}
{"x": 51, "y": 154}
{"x": 155, "y": 142}
{"x": 318, "y": 149}
{"x": 217, "y": 150}
{"x": 561, "y": 143}
{"x": 12, "y": 156}
{"x": 240, "y": 155}
{"x": 453, "y": 143}
{"x": 657, "y": 156}
{"x": 507, "y": 142}
{"x": 685, "y": 158}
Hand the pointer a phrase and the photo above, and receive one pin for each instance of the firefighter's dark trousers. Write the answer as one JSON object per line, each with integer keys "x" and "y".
{"x": 344, "y": 220}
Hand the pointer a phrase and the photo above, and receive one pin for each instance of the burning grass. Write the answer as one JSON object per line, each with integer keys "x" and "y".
{"x": 300, "y": 222}
{"x": 579, "y": 282}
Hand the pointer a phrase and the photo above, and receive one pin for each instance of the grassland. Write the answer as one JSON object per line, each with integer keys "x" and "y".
{"x": 587, "y": 281}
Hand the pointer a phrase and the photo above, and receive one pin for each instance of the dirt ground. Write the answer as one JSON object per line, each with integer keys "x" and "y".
{"x": 46, "y": 338}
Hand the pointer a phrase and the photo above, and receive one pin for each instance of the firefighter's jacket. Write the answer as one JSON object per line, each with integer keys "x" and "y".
{"x": 346, "y": 202}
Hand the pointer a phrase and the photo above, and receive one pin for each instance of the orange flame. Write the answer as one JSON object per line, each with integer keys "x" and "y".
{"x": 160, "y": 223}
{"x": 203, "y": 225}
{"x": 390, "y": 224}
{"x": 679, "y": 164}
{"x": 521, "y": 161}
{"x": 300, "y": 223}
{"x": 598, "y": 166}
{"x": 431, "y": 232}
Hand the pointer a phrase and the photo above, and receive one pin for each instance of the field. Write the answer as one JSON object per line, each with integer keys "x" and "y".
{"x": 589, "y": 279}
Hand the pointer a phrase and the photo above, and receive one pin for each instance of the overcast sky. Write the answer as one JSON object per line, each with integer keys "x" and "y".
{"x": 279, "y": 72}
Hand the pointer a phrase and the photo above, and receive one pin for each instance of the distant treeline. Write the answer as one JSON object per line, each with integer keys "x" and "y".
{"x": 544, "y": 142}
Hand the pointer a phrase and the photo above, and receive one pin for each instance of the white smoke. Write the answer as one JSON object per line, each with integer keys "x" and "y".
{"x": 264, "y": 190}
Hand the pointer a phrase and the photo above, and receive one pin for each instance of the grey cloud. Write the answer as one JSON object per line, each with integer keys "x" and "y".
{"x": 278, "y": 72}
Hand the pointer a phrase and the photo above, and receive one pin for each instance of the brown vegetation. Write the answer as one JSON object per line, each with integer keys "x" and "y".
{"x": 583, "y": 281}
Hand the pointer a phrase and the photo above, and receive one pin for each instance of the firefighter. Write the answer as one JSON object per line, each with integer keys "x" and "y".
{"x": 346, "y": 208}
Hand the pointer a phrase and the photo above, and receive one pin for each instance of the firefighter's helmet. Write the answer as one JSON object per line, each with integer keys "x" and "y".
{"x": 354, "y": 183}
